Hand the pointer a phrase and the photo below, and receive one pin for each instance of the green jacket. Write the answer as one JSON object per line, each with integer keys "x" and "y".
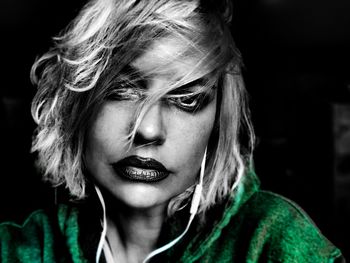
{"x": 252, "y": 226}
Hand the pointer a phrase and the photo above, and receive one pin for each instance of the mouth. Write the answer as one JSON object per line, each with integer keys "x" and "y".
{"x": 139, "y": 169}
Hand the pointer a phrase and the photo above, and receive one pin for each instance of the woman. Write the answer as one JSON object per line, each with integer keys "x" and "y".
{"x": 140, "y": 107}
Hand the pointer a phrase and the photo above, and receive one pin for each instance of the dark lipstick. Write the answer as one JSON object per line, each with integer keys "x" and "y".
{"x": 140, "y": 169}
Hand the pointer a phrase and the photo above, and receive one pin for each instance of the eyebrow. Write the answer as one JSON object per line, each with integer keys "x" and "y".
{"x": 127, "y": 69}
{"x": 200, "y": 81}
{"x": 187, "y": 87}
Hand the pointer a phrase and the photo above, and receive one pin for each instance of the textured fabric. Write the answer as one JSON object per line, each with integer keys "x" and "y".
{"x": 42, "y": 238}
{"x": 252, "y": 226}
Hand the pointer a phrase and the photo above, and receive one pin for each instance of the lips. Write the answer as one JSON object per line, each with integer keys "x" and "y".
{"x": 140, "y": 169}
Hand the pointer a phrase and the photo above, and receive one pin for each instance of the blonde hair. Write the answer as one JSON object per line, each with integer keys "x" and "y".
{"x": 86, "y": 65}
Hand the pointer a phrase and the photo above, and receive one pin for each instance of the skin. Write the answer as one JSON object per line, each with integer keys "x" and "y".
{"x": 169, "y": 134}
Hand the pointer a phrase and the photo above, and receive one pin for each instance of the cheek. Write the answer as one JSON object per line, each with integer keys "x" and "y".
{"x": 107, "y": 132}
{"x": 197, "y": 128}
{"x": 192, "y": 135}
{"x": 197, "y": 133}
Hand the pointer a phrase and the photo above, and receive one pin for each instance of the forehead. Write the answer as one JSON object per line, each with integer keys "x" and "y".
{"x": 173, "y": 59}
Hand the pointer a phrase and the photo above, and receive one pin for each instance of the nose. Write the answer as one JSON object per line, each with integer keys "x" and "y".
{"x": 151, "y": 129}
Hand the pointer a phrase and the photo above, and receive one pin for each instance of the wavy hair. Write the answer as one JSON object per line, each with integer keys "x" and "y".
{"x": 88, "y": 61}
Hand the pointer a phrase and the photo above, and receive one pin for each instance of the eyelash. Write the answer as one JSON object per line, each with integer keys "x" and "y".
{"x": 191, "y": 103}
{"x": 194, "y": 102}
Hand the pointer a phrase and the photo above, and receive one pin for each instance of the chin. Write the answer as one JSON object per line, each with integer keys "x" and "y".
{"x": 142, "y": 196}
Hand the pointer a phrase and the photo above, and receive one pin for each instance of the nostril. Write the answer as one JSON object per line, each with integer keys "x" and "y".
{"x": 141, "y": 140}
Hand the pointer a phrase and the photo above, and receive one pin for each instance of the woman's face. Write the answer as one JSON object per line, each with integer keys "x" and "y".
{"x": 165, "y": 157}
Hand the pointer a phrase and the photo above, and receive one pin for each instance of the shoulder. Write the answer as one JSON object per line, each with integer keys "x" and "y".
{"x": 42, "y": 220}
{"x": 42, "y": 231}
{"x": 283, "y": 231}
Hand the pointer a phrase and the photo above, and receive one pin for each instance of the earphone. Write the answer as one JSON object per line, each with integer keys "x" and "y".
{"x": 104, "y": 225}
{"x": 199, "y": 187}
{"x": 193, "y": 211}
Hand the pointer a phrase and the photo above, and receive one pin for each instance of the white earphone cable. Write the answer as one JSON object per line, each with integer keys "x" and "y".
{"x": 193, "y": 211}
{"x": 104, "y": 226}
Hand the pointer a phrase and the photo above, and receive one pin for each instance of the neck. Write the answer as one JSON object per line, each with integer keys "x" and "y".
{"x": 133, "y": 233}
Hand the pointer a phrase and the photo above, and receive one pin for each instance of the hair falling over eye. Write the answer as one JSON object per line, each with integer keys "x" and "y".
{"x": 90, "y": 63}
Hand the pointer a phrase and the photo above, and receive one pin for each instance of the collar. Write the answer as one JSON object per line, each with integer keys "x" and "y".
{"x": 219, "y": 217}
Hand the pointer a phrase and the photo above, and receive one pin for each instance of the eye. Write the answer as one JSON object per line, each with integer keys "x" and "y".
{"x": 190, "y": 103}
